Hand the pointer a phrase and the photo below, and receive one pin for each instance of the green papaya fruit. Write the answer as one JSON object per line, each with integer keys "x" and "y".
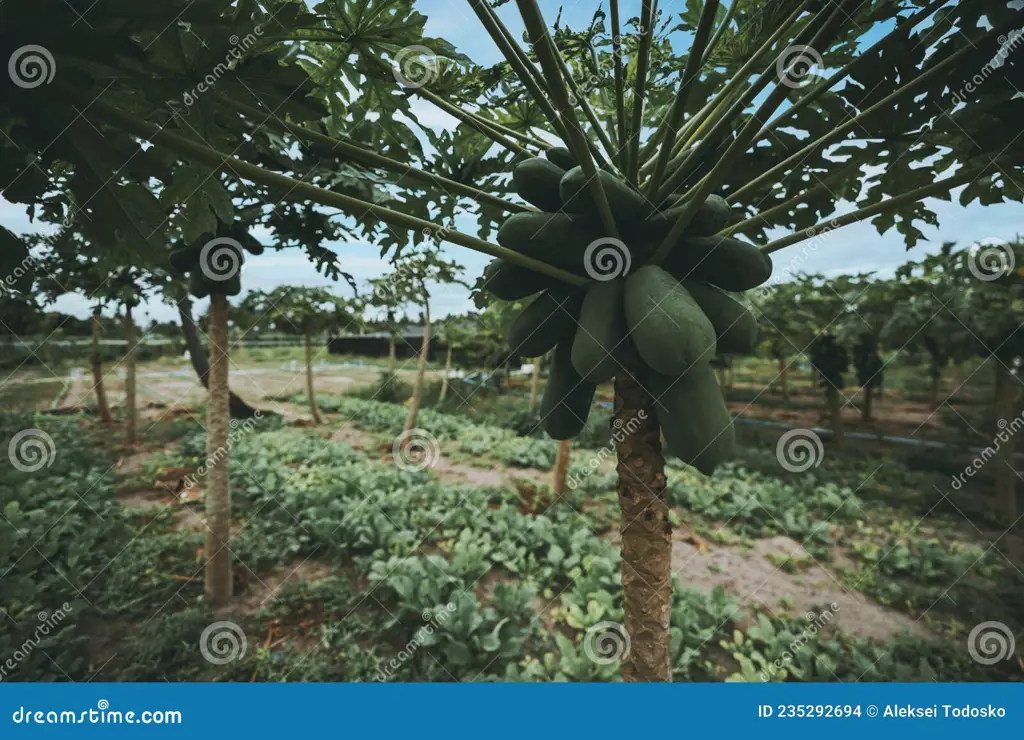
{"x": 510, "y": 282}
{"x": 627, "y": 205}
{"x": 567, "y": 397}
{"x": 561, "y": 157}
{"x": 735, "y": 326}
{"x": 693, "y": 416}
{"x": 549, "y": 319}
{"x": 183, "y": 259}
{"x": 198, "y": 285}
{"x": 556, "y": 238}
{"x": 536, "y": 180}
{"x": 727, "y": 263}
{"x": 601, "y": 331}
{"x": 230, "y": 287}
{"x": 713, "y": 216}
{"x": 670, "y": 331}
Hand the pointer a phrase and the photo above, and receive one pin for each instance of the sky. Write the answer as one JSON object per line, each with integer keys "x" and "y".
{"x": 856, "y": 248}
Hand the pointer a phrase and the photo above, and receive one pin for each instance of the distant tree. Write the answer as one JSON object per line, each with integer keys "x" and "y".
{"x": 304, "y": 312}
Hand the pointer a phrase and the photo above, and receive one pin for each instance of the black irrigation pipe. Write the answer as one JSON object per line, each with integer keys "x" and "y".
{"x": 905, "y": 441}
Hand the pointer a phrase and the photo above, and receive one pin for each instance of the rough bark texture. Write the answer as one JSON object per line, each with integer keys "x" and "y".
{"x": 835, "y": 412}
{"x": 444, "y": 380}
{"x": 865, "y": 411}
{"x": 197, "y": 356}
{"x": 309, "y": 381}
{"x": 417, "y": 393}
{"x": 535, "y": 384}
{"x": 646, "y": 533}
{"x": 102, "y": 407}
{"x": 129, "y": 381}
{"x": 218, "y": 491}
{"x": 561, "y": 466}
{"x": 1006, "y": 409}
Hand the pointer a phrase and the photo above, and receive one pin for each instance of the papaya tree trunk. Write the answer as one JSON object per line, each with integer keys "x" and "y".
{"x": 835, "y": 412}
{"x": 933, "y": 391}
{"x": 218, "y": 490}
{"x": 392, "y": 360}
{"x": 535, "y": 384}
{"x": 1005, "y": 406}
{"x": 561, "y": 466}
{"x": 646, "y": 533}
{"x": 200, "y": 363}
{"x": 447, "y": 369}
{"x": 784, "y": 379}
{"x": 129, "y": 380}
{"x": 417, "y": 394}
{"x": 310, "y": 394}
{"x": 102, "y": 407}
{"x": 814, "y": 377}
{"x": 865, "y": 411}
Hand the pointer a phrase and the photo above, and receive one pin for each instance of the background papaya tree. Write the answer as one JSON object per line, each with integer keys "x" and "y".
{"x": 872, "y": 304}
{"x": 711, "y": 120}
{"x": 924, "y": 323}
{"x": 307, "y": 312}
{"x": 785, "y": 327}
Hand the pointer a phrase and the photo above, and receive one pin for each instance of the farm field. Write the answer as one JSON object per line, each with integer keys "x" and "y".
{"x": 465, "y": 566}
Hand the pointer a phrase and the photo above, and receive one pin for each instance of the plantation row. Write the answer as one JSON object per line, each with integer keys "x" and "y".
{"x": 415, "y": 578}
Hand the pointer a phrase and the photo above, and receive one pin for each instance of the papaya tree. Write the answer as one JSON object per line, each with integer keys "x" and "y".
{"x": 924, "y": 321}
{"x": 306, "y": 312}
{"x": 872, "y": 304}
{"x": 785, "y": 328}
{"x": 730, "y": 138}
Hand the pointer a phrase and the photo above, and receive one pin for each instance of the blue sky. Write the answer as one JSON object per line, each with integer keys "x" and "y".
{"x": 857, "y": 248}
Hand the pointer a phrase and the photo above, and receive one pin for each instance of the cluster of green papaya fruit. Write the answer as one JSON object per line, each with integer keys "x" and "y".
{"x": 677, "y": 315}
{"x": 213, "y": 263}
